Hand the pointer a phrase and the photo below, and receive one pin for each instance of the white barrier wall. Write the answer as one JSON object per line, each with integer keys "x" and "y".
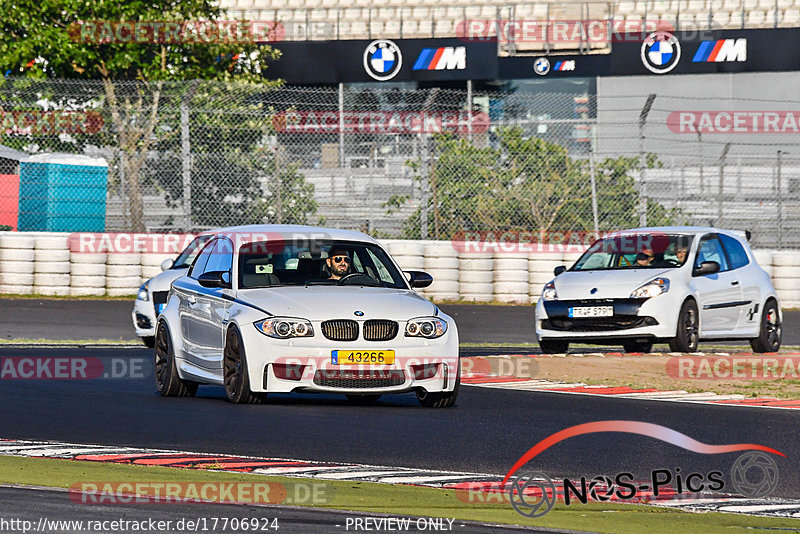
{"x": 41, "y": 263}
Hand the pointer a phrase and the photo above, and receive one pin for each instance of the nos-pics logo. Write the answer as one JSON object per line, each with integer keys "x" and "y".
{"x": 661, "y": 52}
{"x": 382, "y": 59}
{"x": 754, "y": 473}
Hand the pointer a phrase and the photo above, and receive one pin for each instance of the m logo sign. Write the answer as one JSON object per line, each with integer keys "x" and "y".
{"x": 444, "y": 58}
{"x": 721, "y": 50}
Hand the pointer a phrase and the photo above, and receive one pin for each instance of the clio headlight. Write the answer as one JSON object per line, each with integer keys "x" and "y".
{"x": 653, "y": 288}
{"x": 549, "y": 291}
{"x": 143, "y": 293}
{"x": 285, "y": 327}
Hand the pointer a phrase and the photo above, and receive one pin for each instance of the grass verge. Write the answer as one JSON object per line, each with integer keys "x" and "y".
{"x": 42, "y": 341}
{"x": 399, "y": 499}
{"x": 65, "y": 297}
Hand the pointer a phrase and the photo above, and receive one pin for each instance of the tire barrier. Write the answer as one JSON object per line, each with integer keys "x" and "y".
{"x": 476, "y": 276}
{"x": 41, "y": 263}
{"x": 785, "y": 274}
{"x": 441, "y": 262}
{"x": 51, "y": 267}
{"x": 511, "y": 277}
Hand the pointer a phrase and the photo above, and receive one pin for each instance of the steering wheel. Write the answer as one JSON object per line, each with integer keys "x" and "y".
{"x": 672, "y": 263}
{"x": 348, "y": 276}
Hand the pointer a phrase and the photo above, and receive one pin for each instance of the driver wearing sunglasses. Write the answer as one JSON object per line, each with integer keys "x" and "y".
{"x": 338, "y": 263}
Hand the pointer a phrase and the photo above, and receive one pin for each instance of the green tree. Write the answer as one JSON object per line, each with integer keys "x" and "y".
{"x": 50, "y": 39}
{"x": 523, "y": 183}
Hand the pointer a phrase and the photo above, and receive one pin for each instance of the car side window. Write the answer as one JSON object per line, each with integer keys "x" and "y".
{"x": 199, "y": 265}
{"x": 221, "y": 258}
{"x": 710, "y": 249}
{"x": 735, "y": 251}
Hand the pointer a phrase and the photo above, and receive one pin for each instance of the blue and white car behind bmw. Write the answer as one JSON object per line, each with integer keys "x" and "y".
{"x": 259, "y": 312}
{"x": 672, "y": 284}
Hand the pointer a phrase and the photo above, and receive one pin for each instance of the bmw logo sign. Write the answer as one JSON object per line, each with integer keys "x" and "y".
{"x": 382, "y": 59}
{"x": 541, "y": 66}
{"x": 358, "y": 313}
{"x": 661, "y": 52}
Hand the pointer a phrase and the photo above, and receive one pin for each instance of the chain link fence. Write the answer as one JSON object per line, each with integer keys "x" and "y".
{"x": 419, "y": 164}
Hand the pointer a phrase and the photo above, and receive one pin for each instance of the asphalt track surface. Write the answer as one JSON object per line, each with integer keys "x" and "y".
{"x": 487, "y": 431}
{"x": 34, "y": 505}
{"x": 111, "y": 319}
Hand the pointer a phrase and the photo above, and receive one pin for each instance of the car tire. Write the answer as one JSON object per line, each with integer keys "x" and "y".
{"x": 553, "y": 346}
{"x": 234, "y": 367}
{"x": 770, "y": 331}
{"x": 440, "y": 399}
{"x": 638, "y": 346}
{"x": 149, "y": 341}
{"x": 363, "y": 399}
{"x": 168, "y": 383}
{"x": 687, "y": 334}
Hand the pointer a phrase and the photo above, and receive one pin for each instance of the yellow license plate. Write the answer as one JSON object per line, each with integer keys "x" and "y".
{"x": 362, "y": 357}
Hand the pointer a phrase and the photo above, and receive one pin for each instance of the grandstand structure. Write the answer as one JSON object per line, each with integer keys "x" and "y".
{"x": 302, "y": 20}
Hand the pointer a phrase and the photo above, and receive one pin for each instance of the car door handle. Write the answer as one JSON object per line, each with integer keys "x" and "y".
{"x": 735, "y": 283}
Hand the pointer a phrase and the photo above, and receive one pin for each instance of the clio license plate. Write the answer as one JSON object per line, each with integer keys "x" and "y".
{"x": 591, "y": 311}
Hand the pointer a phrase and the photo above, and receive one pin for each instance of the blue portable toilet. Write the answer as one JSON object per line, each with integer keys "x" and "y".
{"x": 63, "y": 193}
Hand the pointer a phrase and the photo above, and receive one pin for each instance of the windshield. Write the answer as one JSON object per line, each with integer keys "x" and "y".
{"x": 185, "y": 258}
{"x": 636, "y": 251}
{"x": 268, "y": 264}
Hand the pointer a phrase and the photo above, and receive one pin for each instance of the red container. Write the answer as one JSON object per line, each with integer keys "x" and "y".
{"x": 9, "y": 200}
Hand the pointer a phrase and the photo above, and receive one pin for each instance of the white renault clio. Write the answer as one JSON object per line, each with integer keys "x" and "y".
{"x": 670, "y": 284}
{"x": 286, "y": 308}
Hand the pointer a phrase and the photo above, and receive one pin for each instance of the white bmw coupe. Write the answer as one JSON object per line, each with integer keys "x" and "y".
{"x": 276, "y": 309}
{"x": 671, "y": 284}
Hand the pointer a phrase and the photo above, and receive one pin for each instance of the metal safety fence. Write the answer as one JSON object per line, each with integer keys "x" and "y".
{"x": 397, "y": 163}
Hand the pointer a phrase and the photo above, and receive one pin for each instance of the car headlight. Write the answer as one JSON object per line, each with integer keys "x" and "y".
{"x": 653, "y": 288}
{"x": 285, "y": 327}
{"x": 143, "y": 293}
{"x": 549, "y": 291}
{"x": 429, "y": 327}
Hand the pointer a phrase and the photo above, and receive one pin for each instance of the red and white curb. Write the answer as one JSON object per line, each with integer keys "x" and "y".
{"x": 521, "y": 383}
{"x": 470, "y": 487}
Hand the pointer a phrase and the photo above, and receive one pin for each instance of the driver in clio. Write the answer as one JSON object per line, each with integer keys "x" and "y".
{"x": 338, "y": 263}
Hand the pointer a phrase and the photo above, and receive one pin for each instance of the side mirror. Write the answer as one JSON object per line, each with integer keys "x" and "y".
{"x": 167, "y": 264}
{"x": 560, "y": 269}
{"x": 215, "y": 279}
{"x": 419, "y": 278}
{"x": 707, "y": 267}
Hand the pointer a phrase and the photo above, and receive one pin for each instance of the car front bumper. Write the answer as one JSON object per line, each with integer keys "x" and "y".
{"x": 653, "y": 318}
{"x": 144, "y": 318}
{"x": 305, "y": 364}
